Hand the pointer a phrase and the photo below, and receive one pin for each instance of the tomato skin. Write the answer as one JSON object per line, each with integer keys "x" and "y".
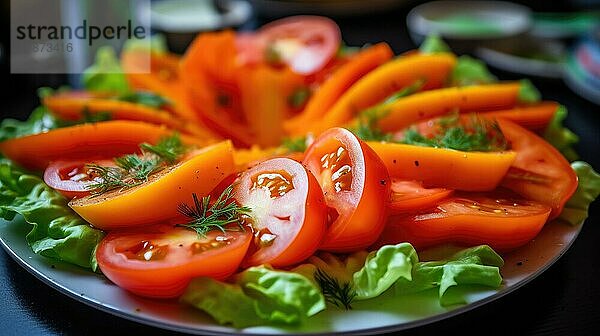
{"x": 71, "y": 178}
{"x": 469, "y": 219}
{"x": 168, "y": 277}
{"x": 297, "y": 217}
{"x": 539, "y": 172}
{"x": 411, "y": 195}
{"x": 361, "y": 208}
{"x": 316, "y": 39}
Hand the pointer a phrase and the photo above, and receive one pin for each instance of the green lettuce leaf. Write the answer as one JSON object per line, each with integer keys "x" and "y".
{"x": 57, "y": 231}
{"x": 106, "y": 74}
{"x": 40, "y": 120}
{"x": 528, "y": 93}
{"x": 281, "y": 296}
{"x": 224, "y": 302}
{"x": 478, "y": 265}
{"x": 588, "y": 189}
{"x": 371, "y": 274}
{"x": 433, "y": 44}
{"x": 470, "y": 71}
{"x": 259, "y": 295}
{"x": 382, "y": 268}
{"x": 561, "y": 137}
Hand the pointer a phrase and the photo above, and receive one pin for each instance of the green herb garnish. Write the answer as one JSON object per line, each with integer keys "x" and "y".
{"x": 144, "y": 98}
{"x": 134, "y": 169}
{"x": 299, "y": 97}
{"x": 478, "y": 135}
{"x": 168, "y": 149}
{"x": 340, "y": 295}
{"x": 292, "y": 145}
{"x": 89, "y": 117}
{"x": 206, "y": 217}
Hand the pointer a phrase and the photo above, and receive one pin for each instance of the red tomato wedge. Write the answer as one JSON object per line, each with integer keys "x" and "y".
{"x": 289, "y": 214}
{"x": 539, "y": 172}
{"x": 356, "y": 185}
{"x": 72, "y": 178}
{"x": 501, "y": 221}
{"x": 160, "y": 261}
{"x": 411, "y": 195}
{"x": 305, "y": 43}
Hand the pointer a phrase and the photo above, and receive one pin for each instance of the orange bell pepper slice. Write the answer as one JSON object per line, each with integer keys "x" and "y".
{"x": 209, "y": 71}
{"x": 383, "y": 82}
{"x": 340, "y": 81}
{"x": 534, "y": 117}
{"x": 71, "y": 105}
{"x": 106, "y": 139}
{"x": 426, "y": 105}
{"x": 445, "y": 168}
{"x": 157, "y": 201}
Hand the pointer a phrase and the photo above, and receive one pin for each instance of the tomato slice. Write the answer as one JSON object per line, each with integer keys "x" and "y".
{"x": 71, "y": 178}
{"x": 499, "y": 220}
{"x": 160, "y": 261}
{"x": 539, "y": 172}
{"x": 411, "y": 195}
{"x": 289, "y": 214}
{"x": 305, "y": 43}
{"x": 356, "y": 185}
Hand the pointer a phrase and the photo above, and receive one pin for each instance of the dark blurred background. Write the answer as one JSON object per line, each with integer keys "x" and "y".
{"x": 386, "y": 24}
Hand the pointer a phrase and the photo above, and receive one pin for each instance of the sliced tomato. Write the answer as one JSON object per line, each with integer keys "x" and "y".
{"x": 160, "y": 261}
{"x": 411, "y": 195}
{"x": 305, "y": 43}
{"x": 539, "y": 172}
{"x": 72, "y": 178}
{"x": 157, "y": 200}
{"x": 499, "y": 220}
{"x": 356, "y": 186}
{"x": 289, "y": 214}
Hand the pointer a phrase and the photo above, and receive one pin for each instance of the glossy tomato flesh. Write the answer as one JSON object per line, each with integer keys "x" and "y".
{"x": 72, "y": 178}
{"x": 160, "y": 261}
{"x": 356, "y": 186}
{"x": 288, "y": 211}
{"x": 539, "y": 172}
{"x": 500, "y": 220}
{"x": 411, "y": 195}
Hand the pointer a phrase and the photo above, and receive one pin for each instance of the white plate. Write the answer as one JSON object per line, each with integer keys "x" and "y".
{"x": 382, "y": 314}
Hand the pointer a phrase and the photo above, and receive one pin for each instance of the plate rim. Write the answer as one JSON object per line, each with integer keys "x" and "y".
{"x": 142, "y": 319}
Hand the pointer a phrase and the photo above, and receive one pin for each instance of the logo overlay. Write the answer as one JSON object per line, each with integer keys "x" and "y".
{"x": 63, "y": 36}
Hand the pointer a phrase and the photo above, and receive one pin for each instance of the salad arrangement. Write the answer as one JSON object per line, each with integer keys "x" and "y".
{"x": 279, "y": 173}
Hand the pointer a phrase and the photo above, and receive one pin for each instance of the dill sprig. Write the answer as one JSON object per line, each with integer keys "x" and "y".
{"x": 133, "y": 169}
{"x": 476, "y": 135}
{"x": 168, "y": 149}
{"x": 110, "y": 178}
{"x": 206, "y": 217}
{"x": 340, "y": 295}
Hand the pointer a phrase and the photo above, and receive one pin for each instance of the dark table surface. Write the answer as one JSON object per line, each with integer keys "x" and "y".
{"x": 563, "y": 300}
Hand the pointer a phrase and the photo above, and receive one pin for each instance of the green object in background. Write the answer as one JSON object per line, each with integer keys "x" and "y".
{"x": 467, "y": 24}
{"x": 106, "y": 74}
